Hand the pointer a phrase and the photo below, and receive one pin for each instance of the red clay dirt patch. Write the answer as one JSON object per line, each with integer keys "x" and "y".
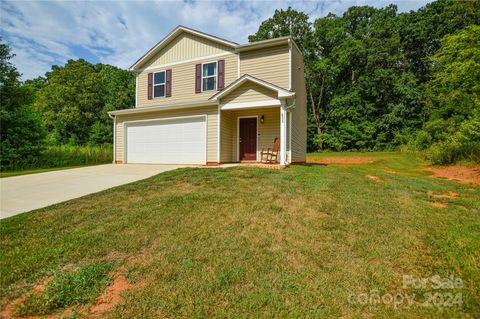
{"x": 341, "y": 160}
{"x": 375, "y": 178}
{"x": 11, "y": 307}
{"x": 113, "y": 294}
{"x": 106, "y": 301}
{"x": 462, "y": 174}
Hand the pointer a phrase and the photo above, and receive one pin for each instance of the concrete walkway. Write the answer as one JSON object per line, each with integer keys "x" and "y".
{"x": 20, "y": 194}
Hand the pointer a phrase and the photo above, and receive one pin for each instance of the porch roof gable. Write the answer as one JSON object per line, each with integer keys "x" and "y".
{"x": 281, "y": 92}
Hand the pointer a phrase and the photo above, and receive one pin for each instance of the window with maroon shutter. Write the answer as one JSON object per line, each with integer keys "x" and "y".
{"x": 150, "y": 85}
{"x": 221, "y": 75}
{"x": 159, "y": 86}
{"x": 209, "y": 76}
{"x": 168, "y": 89}
{"x": 198, "y": 78}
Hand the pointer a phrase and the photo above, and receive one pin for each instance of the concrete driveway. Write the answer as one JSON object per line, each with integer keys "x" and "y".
{"x": 20, "y": 194}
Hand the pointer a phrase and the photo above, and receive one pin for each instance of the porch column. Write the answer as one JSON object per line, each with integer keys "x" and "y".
{"x": 283, "y": 133}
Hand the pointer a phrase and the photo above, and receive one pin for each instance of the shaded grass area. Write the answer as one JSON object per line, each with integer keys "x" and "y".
{"x": 255, "y": 242}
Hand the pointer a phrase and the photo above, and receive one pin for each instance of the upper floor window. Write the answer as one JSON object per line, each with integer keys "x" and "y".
{"x": 209, "y": 76}
{"x": 159, "y": 84}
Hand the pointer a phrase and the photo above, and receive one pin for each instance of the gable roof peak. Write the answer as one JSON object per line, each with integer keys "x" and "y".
{"x": 173, "y": 34}
{"x": 282, "y": 93}
{"x": 233, "y": 45}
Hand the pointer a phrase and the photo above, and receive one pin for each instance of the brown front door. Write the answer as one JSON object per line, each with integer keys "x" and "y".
{"x": 248, "y": 139}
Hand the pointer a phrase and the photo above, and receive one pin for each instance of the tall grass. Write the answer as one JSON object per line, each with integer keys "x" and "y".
{"x": 67, "y": 155}
{"x": 445, "y": 153}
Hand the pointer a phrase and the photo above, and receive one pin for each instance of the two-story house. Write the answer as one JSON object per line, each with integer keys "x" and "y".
{"x": 201, "y": 99}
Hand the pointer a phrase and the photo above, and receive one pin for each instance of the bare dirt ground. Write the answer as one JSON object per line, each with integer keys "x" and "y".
{"x": 462, "y": 174}
{"x": 438, "y": 204}
{"x": 375, "y": 178}
{"x": 106, "y": 301}
{"x": 341, "y": 160}
{"x": 450, "y": 194}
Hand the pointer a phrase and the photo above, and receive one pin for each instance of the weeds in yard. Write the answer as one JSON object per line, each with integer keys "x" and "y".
{"x": 67, "y": 155}
{"x": 67, "y": 288}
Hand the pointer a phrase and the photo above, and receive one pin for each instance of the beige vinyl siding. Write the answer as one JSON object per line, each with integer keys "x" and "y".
{"x": 183, "y": 82}
{"x": 269, "y": 64}
{"x": 249, "y": 92}
{"x": 299, "y": 115}
{"x": 226, "y": 123}
{"x": 267, "y": 132}
{"x": 212, "y": 125}
{"x": 187, "y": 46}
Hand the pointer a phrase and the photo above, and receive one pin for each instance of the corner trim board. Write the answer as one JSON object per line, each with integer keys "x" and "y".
{"x": 290, "y": 64}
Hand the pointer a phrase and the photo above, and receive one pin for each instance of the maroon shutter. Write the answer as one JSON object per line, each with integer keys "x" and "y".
{"x": 198, "y": 78}
{"x": 221, "y": 75}
{"x": 168, "y": 80}
{"x": 150, "y": 85}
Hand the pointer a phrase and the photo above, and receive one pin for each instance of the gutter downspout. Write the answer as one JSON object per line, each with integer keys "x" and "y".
{"x": 289, "y": 109}
{"x": 136, "y": 89}
{"x": 114, "y": 136}
{"x": 283, "y": 133}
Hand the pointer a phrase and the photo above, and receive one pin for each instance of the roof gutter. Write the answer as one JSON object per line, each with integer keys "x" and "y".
{"x": 157, "y": 108}
{"x": 262, "y": 44}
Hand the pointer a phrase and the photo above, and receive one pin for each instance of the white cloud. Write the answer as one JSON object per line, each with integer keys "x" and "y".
{"x": 45, "y": 33}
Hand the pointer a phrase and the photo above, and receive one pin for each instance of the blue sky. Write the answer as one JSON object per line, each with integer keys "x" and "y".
{"x": 44, "y": 33}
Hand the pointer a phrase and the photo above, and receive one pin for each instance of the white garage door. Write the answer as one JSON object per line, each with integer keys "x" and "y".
{"x": 173, "y": 141}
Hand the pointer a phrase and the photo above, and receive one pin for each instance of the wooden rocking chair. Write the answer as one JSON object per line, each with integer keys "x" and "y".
{"x": 270, "y": 155}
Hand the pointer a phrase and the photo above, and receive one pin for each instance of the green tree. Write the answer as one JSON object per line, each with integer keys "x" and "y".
{"x": 453, "y": 93}
{"x": 368, "y": 97}
{"x": 75, "y": 98}
{"x": 421, "y": 31}
{"x": 284, "y": 23}
{"x": 70, "y": 100}
{"x": 21, "y": 132}
{"x": 119, "y": 93}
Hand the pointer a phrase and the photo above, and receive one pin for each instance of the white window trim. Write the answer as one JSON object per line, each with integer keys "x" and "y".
{"x": 210, "y": 76}
{"x": 164, "y": 84}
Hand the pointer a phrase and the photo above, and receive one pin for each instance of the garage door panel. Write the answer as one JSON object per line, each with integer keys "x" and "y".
{"x": 176, "y": 141}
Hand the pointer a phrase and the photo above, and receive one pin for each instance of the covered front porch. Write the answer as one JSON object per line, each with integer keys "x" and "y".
{"x": 244, "y": 133}
{"x": 252, "y": 114}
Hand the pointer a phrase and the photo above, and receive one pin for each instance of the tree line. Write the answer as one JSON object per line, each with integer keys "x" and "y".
{"x": 376, "y": 80}
{"x": 66, "y": 107}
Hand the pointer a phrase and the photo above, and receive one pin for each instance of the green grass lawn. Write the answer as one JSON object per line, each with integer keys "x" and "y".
{"x": 309, "y": 241}
{"x": 39, "y": 170}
